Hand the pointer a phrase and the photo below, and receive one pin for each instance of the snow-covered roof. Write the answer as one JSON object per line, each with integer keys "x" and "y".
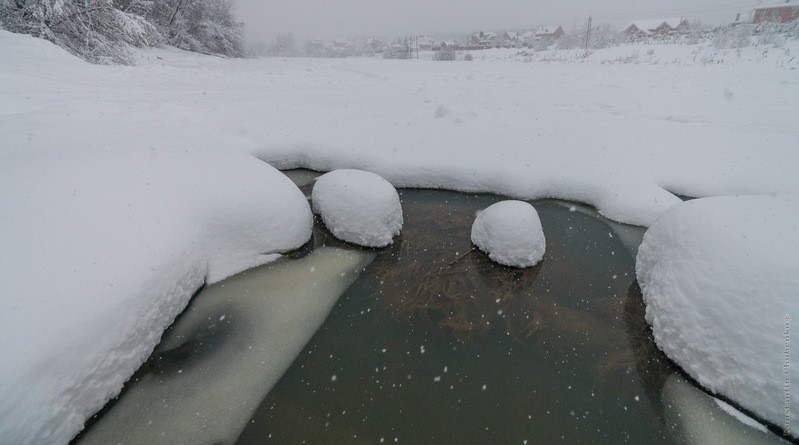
{"x": 651, "y": 24}
{"x": 545, "y": 30}
{"x": 771, "y": 4}
{"x": 528, "y": 34}
{"x": 774, "y": 5}
{"x": 512, "y": 34}
{"x": 485, "y": 35}
{"x": 425, "y": 40}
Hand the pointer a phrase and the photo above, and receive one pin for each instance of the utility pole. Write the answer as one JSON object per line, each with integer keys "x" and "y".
{"x": 587, "y": 35}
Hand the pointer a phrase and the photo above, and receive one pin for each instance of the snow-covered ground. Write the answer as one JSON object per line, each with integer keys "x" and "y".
{"x": 105, "y": 239}
{"x": 123, "y": 188}
{"x": 786, "y": 56}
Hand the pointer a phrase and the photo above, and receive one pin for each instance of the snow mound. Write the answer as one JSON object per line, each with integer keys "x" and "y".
{"x": 510, "y": 233}
{"x": 720, "y": 284}
{"x": 103, "y": 248}
{"x": 358, "y": 207}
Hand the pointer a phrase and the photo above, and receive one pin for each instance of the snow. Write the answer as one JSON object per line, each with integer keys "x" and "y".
{"x": 106, "y": 239}
{"x": 358, "y": 207}
{"x": 547, "y": 30}
{"x": 665, "y": 53}
{"x": 651, "y": 24}
{"x": 719, "y": 280}
{"x": 123, "y": 188}
{"x": 510, "y": 233}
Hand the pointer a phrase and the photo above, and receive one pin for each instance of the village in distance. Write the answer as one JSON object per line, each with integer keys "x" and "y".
{"x": 774, "y": 18}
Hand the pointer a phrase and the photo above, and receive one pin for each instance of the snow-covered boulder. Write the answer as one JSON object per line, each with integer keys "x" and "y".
{"x": 719, "y": 278}
{"x": 510, "y": 233}
{"x": 358, "y": 207}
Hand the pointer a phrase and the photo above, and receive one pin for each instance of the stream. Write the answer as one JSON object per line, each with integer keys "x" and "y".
{"x": 426, "y": 342}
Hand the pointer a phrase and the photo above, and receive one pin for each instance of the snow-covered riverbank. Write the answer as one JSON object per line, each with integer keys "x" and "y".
{"x": 122, "y": 188}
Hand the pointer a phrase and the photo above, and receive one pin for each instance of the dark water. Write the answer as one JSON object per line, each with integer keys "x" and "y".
{"x": 434, "y": 344}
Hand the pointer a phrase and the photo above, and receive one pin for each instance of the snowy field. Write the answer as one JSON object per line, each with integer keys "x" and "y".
{"x": 123, "y": 189}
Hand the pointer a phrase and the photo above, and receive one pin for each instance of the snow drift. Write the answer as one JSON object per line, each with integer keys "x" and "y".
{"x": 102, "y": 249}
{"x": 720, "y": 284}
{"x": 510, "y": 233}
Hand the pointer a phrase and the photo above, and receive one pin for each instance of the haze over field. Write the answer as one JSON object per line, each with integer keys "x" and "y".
{"x": 309, "y": 19}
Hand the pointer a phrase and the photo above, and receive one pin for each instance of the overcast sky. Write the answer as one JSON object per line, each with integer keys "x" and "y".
{"x": 329, "y": 19}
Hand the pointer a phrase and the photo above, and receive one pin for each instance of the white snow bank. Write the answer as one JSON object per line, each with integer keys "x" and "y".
{"x": 104, "y": 242}
{"x": 622, "y": 138}
{"x": 358, "y": 207}
{"x": 719, "y": 277}
{"x": 510, "y": 233}
{"x": 244, "y": 333}
{"x": 102, "y": 250}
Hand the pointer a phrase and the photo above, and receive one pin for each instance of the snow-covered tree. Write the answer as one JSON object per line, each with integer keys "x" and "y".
{"x": 92, "y": 29}
{"x": 739, "y": 36}
{"x": 206, "y": 26}
{"x": 284, "y": 46}
{"x": 101, "y": 31}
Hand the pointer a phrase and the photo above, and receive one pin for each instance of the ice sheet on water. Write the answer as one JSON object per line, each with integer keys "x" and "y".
{"x": 211, "y": 371}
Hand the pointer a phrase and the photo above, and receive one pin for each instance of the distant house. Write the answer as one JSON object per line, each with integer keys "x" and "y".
{"x": 315, "y": 45}
{"x": 528, "y": 37}
{"x": 510, "y": 39}
{"x": 549, "y": 33}
{"x": 484, "y": 40}
{"x": 425, "y": 43}
{"x": 341, "y": 44}
{"x": 451, "y": 44}
{"x": 656, "y": 26}
{"x": 397, "y": 51}
{"x": 375, "y": 45}
{"x": 784, "y": 12}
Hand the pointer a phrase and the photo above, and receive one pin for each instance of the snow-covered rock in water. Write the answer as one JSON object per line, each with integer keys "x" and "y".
{"x": 358, "y": 207}
{"x": 719, "y": 278}
{"x": 510, "y": 233}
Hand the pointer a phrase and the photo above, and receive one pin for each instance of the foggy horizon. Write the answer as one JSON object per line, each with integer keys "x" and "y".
{"x": 380, "y": 18}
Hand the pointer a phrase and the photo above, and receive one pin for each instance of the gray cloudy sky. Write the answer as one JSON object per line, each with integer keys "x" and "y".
{"x": 328, "y": 19}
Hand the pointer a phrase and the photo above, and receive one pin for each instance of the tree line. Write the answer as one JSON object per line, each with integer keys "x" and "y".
{"x": 102, "y": 31}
